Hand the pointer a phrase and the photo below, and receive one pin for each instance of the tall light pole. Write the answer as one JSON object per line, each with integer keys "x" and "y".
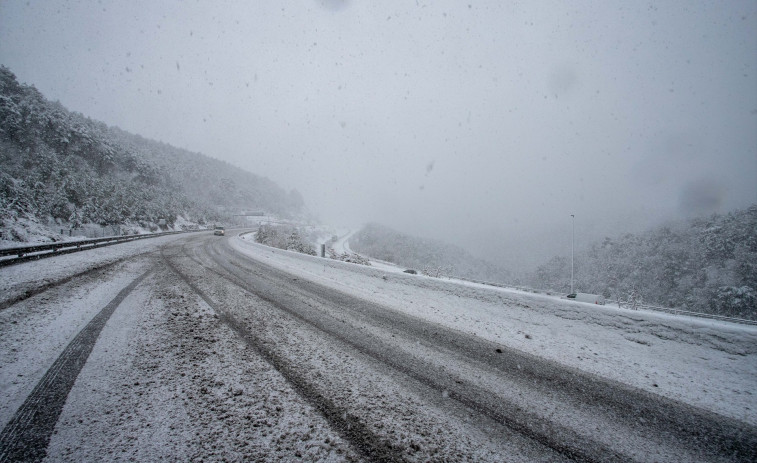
{"x": 572, "y": 244}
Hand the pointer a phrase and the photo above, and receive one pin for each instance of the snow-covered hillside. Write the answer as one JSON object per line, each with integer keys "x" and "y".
{"x": 64, "y": 171}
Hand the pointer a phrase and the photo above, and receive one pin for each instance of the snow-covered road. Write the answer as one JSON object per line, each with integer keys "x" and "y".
{"x": 229, "y": 350}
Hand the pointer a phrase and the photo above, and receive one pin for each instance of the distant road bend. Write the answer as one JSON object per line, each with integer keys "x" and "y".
{"x": 397, "y": 388}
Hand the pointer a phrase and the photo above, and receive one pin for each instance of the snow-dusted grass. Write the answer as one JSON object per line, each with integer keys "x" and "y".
{"x": 706, "y": 363}
{"x": 18, "y": 231}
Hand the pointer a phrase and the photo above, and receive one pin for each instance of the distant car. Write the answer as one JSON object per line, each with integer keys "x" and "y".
{"x": 219, "y": 231}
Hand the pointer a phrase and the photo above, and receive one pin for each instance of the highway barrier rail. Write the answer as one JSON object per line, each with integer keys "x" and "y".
{"x": 15, "y": 255}
{"x": 631, "y": 305}
{"x": 627, "y": 304}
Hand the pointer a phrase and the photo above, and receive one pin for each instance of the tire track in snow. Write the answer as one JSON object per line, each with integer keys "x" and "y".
{"x": 564, "y": 445}
{"x": 27, "y": 434}
{"x": 26, "y": 294}
{"x": 559, "y": 439}
{"x": 704, "y": 434}
{"x": 365, "y": 442}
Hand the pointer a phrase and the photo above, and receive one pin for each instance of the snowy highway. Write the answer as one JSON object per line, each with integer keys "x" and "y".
{"x": 190, "y": 348}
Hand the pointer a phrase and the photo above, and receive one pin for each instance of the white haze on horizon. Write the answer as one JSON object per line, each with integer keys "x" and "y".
{"x": 482, "y": 123}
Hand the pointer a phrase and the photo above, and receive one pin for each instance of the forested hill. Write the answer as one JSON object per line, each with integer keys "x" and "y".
{"x": 707, "y": 264}
{"x": 431, "y": 257}
{"x": 62, "y": 168}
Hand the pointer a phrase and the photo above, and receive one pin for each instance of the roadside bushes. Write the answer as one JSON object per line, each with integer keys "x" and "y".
{"x": 349, "y": 257}
{"x": 283, "y": 237}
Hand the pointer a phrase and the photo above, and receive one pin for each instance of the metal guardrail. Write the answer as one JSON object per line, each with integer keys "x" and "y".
{"x": 34, "y": 252}
{"x": 628, "y": 304}
{"x": 686, "y": 312}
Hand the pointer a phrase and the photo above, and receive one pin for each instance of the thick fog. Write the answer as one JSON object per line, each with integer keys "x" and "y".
{"x": 483, "y": 123}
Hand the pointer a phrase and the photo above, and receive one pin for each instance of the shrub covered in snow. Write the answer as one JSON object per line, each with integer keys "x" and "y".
{"x": 348, "y": 257}
{"x": 437, "y": 271}
{"x": 735, "y": 302}
{"x": 283, "y": 237}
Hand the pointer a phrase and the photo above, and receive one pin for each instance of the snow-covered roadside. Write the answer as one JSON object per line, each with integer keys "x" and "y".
{"x": 706, "y": 363}
{"x": 15, "y": 280}
{"x": 32, "y": 232}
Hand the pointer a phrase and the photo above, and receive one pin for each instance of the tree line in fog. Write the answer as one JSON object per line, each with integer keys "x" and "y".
{"x": 61, "y": 168}
{"x": 706, "y": 264}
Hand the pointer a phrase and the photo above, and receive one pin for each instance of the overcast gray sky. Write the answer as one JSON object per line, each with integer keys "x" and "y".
{"x": 473, "y": 121}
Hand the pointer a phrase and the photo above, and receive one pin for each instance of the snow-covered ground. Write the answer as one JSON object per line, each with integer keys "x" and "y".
{"x": 706, "y": 363}
{"x": 32, "y": 232}
{"x": 165, "y": 380}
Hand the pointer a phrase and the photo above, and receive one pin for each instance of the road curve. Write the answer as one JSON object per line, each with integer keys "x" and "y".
{"x": 219, "y": 356}
{"x": 400, "y": 388}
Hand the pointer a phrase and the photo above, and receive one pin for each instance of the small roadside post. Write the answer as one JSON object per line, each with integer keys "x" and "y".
{"x": 572, "y": 244}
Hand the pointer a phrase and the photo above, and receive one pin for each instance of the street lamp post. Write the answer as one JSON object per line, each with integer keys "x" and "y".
{"x": 572, "y": 244}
